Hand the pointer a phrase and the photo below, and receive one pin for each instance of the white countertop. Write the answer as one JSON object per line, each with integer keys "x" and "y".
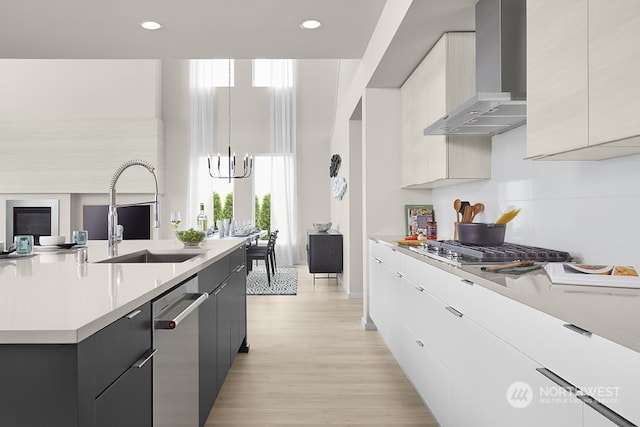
{"x": 48, "y": 298}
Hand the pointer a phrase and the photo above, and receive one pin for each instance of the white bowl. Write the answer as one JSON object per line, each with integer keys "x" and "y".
{"x": 51, "y": 240}
{"x": 323, "y": 226}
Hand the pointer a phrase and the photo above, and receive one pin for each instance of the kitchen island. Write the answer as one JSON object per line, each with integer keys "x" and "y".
{"x": 77, "y": 339}
{"x": 491, "y": 339}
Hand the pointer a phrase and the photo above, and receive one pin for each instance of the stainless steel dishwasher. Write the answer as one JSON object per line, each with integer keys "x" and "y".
{"x": 175, "y": 365}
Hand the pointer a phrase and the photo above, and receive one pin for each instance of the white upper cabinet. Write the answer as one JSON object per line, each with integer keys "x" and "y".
{"x": 583, "y": 96}
{"x": 614, "y": 68}
{"x": 557, "y": 104}
{"x": 444, "y": 80}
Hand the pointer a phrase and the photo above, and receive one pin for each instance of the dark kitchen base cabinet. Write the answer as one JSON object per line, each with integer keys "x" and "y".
{"x": 324, "y": 251}
{"x": 107, "y": 379}
{"x": 101, "y": 381}
{"x": 223, "y": 328}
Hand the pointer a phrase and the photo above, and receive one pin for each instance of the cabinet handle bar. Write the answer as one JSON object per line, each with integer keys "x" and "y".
{"x": 133, "y": 314}
{"x": 577, "y": 329}
{"x": 612, "y": 416}
{"x": 561, "y": 382}
{"x": 145, "y": 358}
{"x": 453, "y": 311}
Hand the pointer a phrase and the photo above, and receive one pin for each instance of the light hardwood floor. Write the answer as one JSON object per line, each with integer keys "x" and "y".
{"x": 311, "y": 363}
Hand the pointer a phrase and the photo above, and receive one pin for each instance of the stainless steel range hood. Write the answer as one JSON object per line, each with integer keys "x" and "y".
{"x": 501, "y": 76}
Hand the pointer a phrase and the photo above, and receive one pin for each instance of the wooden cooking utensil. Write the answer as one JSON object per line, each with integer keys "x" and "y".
{"x": 468, "y": 214}
{"x": 516, "y": 263}
{"x": 477, "y": 208}
{"x": 457, "y": 204}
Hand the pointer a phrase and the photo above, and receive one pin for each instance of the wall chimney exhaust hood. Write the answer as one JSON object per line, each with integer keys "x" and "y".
{"x": 501, "y": 75}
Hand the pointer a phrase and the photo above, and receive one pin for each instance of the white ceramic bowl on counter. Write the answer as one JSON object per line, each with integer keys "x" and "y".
{"x": 51, "y": 240}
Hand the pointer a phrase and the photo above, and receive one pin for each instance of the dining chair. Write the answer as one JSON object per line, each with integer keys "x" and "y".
{"x": 264, "y": 253}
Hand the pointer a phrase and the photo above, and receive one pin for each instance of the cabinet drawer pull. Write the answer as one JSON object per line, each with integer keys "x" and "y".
{"x": 145, "y": 358}
{"x": 577, "y": 329}
{"x": 612, "y": 416}
{"x": 238, "y": 268}
{"x": 398, "y": 274}
{"x": 378, "y": 260}
{"x": 133, "y": 314}
{"x": 468, "y": 282}
{"x": 453, "y": 311}
{"x": 220, "y": 288}
{"x": 557, "y": 380}
{"x": 419, "y": 288}
{"x": 420, "y": 343}
{"x": 393, "y": 249}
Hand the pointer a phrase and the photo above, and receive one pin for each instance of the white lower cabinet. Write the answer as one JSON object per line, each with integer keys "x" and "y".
{"x": 426, "y": 373}
{"x": 478, "y": 358}
{"x": 384, "y": 295}
{"x": 527, "y": 398}
{"x": 473, "y": 368}
{"x": 425, "y": 346}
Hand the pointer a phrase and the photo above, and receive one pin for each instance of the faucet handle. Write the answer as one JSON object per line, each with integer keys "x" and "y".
{"x": 119, "y": 232}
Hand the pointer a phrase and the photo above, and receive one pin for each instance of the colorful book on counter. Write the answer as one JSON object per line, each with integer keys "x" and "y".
{"x": 593, "y": 275}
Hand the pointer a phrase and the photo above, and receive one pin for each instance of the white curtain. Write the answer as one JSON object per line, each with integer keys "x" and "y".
{"x": 283, "y": 169}
{"x": 201, "y": 94}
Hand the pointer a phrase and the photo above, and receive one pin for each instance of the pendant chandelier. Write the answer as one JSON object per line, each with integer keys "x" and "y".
{"x": 247, "y": 161}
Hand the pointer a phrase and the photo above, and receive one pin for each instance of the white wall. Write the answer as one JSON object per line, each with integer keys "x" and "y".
{"x": 352, "y": 88}
{"x": 37, "y": 89}
{"x": 175, "y": 113}
{"x": 585, "y": 208}
{"x": 316, "y": 98}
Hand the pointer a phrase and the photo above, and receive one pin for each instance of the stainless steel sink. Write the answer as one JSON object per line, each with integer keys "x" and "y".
{"x": 148, "y": 257}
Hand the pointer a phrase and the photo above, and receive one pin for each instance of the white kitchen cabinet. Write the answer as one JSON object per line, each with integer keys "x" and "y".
{"x": 473, "y": 368}
{"x": 582, "y": 66}
{"x": 614, "y": 67}
{"x": 575, "y": 355}
{"x": 425, "y": 346}
{"x": 442, "y": 81}
{"x": 384, "y": 294}
{"x": 527, "y": 398}
{"x": 557, "y": 86}
{"x": 463, "y": 345}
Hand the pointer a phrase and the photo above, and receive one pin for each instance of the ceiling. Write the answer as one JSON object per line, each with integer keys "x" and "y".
{"x": 241, "y": 29}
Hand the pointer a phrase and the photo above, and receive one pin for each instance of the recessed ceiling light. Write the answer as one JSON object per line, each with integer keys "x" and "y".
{"x": 151, "y": 25}
{"x": 311, "y": 24}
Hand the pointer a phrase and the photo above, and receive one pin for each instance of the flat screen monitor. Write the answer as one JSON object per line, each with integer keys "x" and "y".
{"x": 136, "y": 221}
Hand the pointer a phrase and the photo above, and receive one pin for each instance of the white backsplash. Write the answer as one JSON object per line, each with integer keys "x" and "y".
{"x": 589, "y": 209}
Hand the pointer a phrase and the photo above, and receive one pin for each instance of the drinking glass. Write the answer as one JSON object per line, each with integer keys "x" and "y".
{"x": 176, "y": 219}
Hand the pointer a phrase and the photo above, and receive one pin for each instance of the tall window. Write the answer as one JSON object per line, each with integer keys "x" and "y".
{"x": 221, "y": 72}
{"x": 267, "y": 73}
{"x": 205, "y": 76}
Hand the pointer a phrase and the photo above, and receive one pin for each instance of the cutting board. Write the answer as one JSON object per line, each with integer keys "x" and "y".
{"x": 410, "y": 242}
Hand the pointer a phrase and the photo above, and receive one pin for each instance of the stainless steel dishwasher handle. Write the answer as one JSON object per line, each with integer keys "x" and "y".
{"x": 172, "y": 323}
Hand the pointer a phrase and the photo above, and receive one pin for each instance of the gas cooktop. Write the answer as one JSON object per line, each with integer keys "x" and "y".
{"x": 455, "y": 253}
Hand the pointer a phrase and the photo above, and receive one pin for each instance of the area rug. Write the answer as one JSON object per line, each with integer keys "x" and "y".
{"x": 283, "y": 282}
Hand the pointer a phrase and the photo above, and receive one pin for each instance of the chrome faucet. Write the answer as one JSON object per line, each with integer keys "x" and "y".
{"x": 114, "y": 233}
